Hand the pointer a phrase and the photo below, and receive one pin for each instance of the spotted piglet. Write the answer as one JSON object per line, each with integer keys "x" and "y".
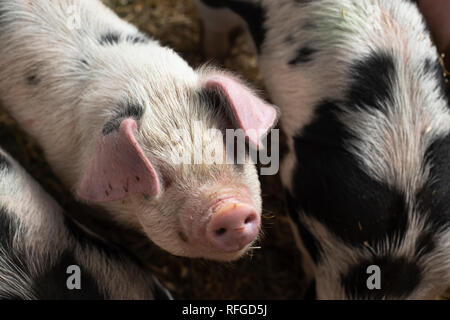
{"x": 46, "y": 255}
{"x": 124, "y": 122}
{"x": 362, "y": 96}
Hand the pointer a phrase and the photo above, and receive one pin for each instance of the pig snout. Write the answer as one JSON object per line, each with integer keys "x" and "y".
{"x": 222, "y": 223}
{"x": 233, "y": 227}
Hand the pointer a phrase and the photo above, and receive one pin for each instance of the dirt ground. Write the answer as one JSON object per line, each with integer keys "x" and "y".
{"x": 272, "y": 272}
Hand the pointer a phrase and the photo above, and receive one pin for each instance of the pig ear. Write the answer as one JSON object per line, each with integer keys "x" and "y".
{"x": 118, "y": 168}
{"x": 252, "y": 114}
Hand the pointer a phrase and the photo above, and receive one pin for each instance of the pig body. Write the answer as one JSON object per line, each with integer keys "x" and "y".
{"x": 40, "y": 248}
{"x": 109, "y": 107}
{"x": 362, "y": 96}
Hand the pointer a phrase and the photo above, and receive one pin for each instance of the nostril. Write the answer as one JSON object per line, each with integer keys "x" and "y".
{"x": 233, "y": 227}
{"x": 250, "y": 219}
{"x": 220, "y": 232}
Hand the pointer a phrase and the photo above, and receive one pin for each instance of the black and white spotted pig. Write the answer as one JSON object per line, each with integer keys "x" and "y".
{"x": 115, "y": 112}
{"x": 362, "y": 96}
{"x": 39, "y": 246}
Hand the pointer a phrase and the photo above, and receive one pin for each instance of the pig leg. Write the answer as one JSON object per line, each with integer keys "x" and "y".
{"x": 218, "y": 23}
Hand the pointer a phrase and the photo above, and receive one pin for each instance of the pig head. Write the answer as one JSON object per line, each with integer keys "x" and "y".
{"x": 190, "y": 208}
{"x": 115, "y": 112}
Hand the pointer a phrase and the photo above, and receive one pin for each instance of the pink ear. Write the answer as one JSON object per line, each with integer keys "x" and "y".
{"x": 118, "y": 168}
{"x": 252, "y": 114}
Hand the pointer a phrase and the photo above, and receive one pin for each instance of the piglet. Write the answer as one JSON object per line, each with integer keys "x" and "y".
{"x": 125, "y": 122}
{"x": 46, "y": 255}
{"x": 361, "y": 90}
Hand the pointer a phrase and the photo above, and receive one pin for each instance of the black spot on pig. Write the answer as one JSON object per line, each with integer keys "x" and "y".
{"x": 290, "y": 39}
{"x": 132, "y": 111}
{"x": 303, "y": 1}
{"x": 309, "y": 241}
{"x": 53, "y": 284}
{"x": 4, "y": 163}
{"x": 309, "y": 25}
{"x": 255, "y": 16}
{"x": 8, "y": 228}
{"x": 311, "y": 244}
{"x": 214, "y": 100}
{"x": 32, "y": 74}
{"x": 2, "y": 22}
{"x": 84, "y": 63}
{"x": 399, "y": 277}
{"x": 33, "y": 80}
{"x": 136, "y": 39}
{"x": 2, "y": 13}
{"x": 331, "y": 186}
{"x": 425, "y": 243}
{"x": 304, "y": 54}
{"x": 434, "y": 197}
{"x": 434, "y": 68}
{"x": 373, "y": 78}
{"x": 129, "y": 110}
{"x": 109, "y": 39}
{"x": 217, "y": 103}
{"x": 115, "y": 38}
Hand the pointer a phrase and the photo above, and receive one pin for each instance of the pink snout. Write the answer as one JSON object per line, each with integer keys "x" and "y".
{"x": 233, "y": 227}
